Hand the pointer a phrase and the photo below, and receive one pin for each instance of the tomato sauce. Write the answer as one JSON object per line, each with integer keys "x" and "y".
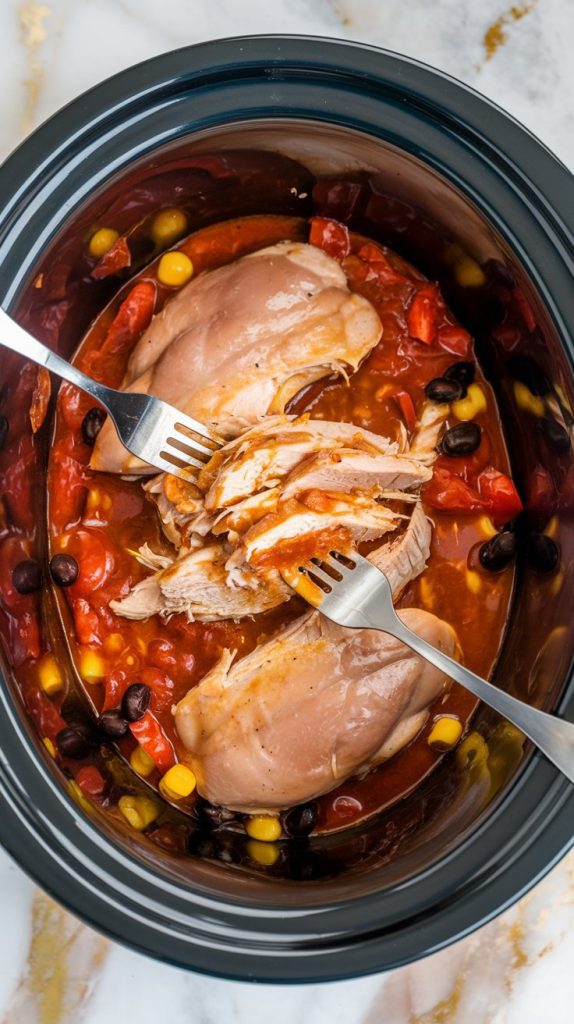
{"x": 102, "y": 520}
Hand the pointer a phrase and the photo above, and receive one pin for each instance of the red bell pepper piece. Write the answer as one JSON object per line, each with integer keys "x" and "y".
{"x": 455, "y": 339}
{"x": 330, "y": 236}
{"x": 379, "y": 265}
{"x": 499, "y": 494}
{"x": 131, "y": 319}
{"x": 448, "y": 493}
{"x": 422, "y": 316}
{"x": 150, "y": 735}
{"x": 407, "y": 409}
{"x": 117, "y": 258}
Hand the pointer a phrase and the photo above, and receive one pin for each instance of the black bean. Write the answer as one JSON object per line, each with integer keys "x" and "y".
{"x": 529, "y": 372}
{"x": 26, "y": 577}
{"x": 463, "y": 439}
{"x": 71, "y": 744}
{"x": 443, "y": 391}
{"x": 201, "y": 844}
{"x": 556, "y": 434}
{"x": 543, "y": 553}
{"x": 211, "y": 814}
{"x": 92, "y": 424}
{"x": 64, "y": 570}
{"x": 463, "y": 372}
{"x": 3, "y": 431}
{"x": 113, "y": 724}
{"x": 300, "y": 821}
{"x": 135, "y": 701}
{"x": 497, "y": 552}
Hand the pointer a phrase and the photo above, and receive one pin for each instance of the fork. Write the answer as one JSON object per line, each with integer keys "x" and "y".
{"x": 350, "y": 590}
{"x": 148, "y": 427}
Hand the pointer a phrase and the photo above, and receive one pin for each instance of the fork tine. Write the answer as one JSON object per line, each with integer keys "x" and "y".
{"x": 171, "y": 462}
{"x": 187, "y": 423}
{"x": 197, "y": 439}
{"x": 317, "y": 572}
{"x": 186, "y": 449}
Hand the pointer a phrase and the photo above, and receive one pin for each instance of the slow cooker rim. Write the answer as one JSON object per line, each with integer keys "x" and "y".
{"x": 537, "y": 764}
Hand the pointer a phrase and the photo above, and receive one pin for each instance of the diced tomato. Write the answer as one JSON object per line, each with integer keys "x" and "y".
{"x": 90, "y": 780}
{"x": 423, "y": 312}
{"x": 455, "y": 339}
{"x": 330, "y": 236}
{"x": 379, "y": 265}
{"x": 69, "y": 478}
{"x": 150, "y": 735}
{"x": 499, "y": 494}
{"x": 541, "y": 495}
{"x": 448, "y": 493}
{"x": 161, "y": 688}
{"x": 115, "y": 259}
{"x": 95, "y": 556}
{"x": 407, "y": 409}
{"x": 338, "y": 199}
{"x": 40, "y": 398}
{"x": 47, "y": 717}
{"x": 17, "y": 482}
{"x": 131, "y": 319}
{"x": 162, "y": 653}
{"x": 524, "y": 308}
{"x": 73, "y": 405}
{"x": 86, "y": 621}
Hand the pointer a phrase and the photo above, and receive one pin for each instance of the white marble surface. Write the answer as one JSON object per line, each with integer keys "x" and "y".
{"x": 517, "y": 969}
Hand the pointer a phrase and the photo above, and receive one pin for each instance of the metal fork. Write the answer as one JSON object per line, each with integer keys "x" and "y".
{"x": 351, "y": 591}
{"x": 148, "y": 427}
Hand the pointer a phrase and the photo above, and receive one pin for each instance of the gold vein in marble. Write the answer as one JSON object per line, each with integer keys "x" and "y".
{"x": 496, "y": 34}
{"x": 33, "y": 33}
{"x": 64, "y": 961}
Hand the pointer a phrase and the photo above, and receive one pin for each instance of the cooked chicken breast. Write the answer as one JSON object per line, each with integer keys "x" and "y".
{"x": 233, "y": 338}
{"x": 306, "y": 710}
{"x": 346, "y": 470}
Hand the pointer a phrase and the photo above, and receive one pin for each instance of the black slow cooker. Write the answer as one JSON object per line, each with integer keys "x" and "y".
{"x": 440, "y": 163}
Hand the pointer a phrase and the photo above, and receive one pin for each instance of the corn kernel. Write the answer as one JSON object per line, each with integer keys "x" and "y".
{"x": 49, "y": 746}
{"x": 50, "y": 674}
{"x": 92, "y": 666}
{"x": 469, "y": 407}
{"x": 92, "y": 500}
{"x": 426, "y": 592}
{"x": 168, "y": 225}
{"x": 264, "y": 827}
{"x": 142, "y": 762}
{"x": 130, "y": 660}
{"x": 557, "y": 582}
{"x": 445, "y": 733}
{"x": 468, "y": 272}
{"x": 526, "y": 400}
{"x": 264, "y": 854}
{"x": 102, "y": 241}
{"x": 473, "y": 581}
{"x": 383, "y": 392}
{"x": 552, "y": 528}
{"x": 178, "y": 782}
{"x": 139, "y": 811}
{"x": 487, "y": 527}
{"x": 78, "y": 797}
{"x": 114, "y": 643}
{"x": 175, "y": 269}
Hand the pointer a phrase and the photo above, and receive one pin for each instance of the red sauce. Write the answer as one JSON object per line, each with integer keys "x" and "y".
{"x": 101, "y": 519}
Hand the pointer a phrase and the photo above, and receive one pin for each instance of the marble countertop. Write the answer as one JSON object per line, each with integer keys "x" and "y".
{"x": 518, "y": 968}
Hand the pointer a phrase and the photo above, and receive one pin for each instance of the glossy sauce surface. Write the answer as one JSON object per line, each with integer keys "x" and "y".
{"x": 101, "y": 520}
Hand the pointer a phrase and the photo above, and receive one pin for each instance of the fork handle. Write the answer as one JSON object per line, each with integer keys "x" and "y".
{"x": 552, "y": 735}
{"x": 16, "y": 338}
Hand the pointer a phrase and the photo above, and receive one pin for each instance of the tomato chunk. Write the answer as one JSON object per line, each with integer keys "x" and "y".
{"x": 422, "y": 316}
{"x": 455, "y": 339}
{"x": 330, "y": 236}
{"x": 379, "y": 265}
{"x": 150, "y": 735}
{"x": 499, "y": 494}
{"x": 90, "y": 780}
{"x": 117, "y": 258}
{"x": 448, "y": 493}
